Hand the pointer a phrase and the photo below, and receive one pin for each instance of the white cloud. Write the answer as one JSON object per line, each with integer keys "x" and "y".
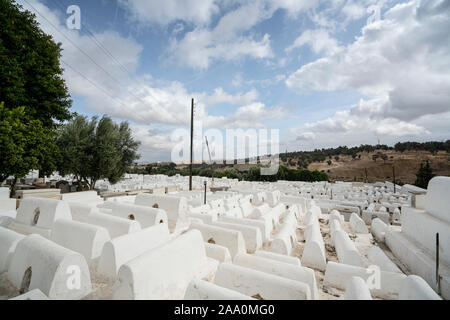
{"x": 220, "y": 96}
{"x": 402, "y": 61}
{"x": 231, "y": 39}
{"x": 353, "y": 127}
{"x": 142, "y": 100}
{"x": 168, "y": 11}
{"x": 319, "y": 41}
{"x": 252, "y": 115}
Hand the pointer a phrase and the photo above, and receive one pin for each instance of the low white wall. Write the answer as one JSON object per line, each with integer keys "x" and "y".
{"x": 278, "y": 257}
{"x": 7, "y": 204}
{"x": 273, "y": 197}
{"x": 415, "y": 288}
{"x": 418, "y": 261}
{"x": 260, "y": 211}
{"x": 116, "y": 226}
{"x": 281, "y": 269}
{"x": 218, "y": 252}
{"x": 206, "y": 218}
{"x": 252, "y": 235}
{"x": 422, "y": 227}
{"x": 314, "y": 251}
{"x": 80, "y": 237}
{"x": 231, "y": 239}
{"x": 357, "y": 224}
{"x": 204, "y": 290}
{"x": 379, "y": 258}
{"x": 176, "y": 208}
{"x": 80, "y": 211}
{"x": 119, "y": 251}
{"x": 257, "y": 284}
{"x": 52, "y": 268}
{"x": 8, "y": 243}
{"x": 34, "y": 294}
{"x": 378, "y": 229}
{"x": 338, "y": 274}
{"x": 146, "y": 216}
{"x": 283, "y": 241}
{"x": 295, "y": 200}
{"x": 335, "y": 225}
{"x": 82, "y": 197}
{"x": 334, "y": 214}
{"x": 37, "y": 215}
{"x": 357, "y": 289}
{"x": 166, "y": 271}
{"x": 246, "y": 206}
{"x": 437, "y": 199}
{"x": 265, "y": 230}
{"x": 346, "y": 250}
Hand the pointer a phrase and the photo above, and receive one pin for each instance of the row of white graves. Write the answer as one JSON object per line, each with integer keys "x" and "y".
{"x": 161, "y": 182}
{"x": 254, "y": 241}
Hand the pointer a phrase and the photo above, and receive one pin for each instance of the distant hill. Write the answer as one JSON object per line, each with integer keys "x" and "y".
{"x": 406, "y": 165}
{"x": 374, "y": 163}
{"x": 364, "y": 163}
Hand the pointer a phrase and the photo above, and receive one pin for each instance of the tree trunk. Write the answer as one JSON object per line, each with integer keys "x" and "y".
{"x": 13, "y": 188}
{"x": 80, "y": 186}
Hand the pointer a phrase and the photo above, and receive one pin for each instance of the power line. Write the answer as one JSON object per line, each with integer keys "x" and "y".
{"x": 108, "y": 53}
{"x": 111, "y": 56}
{"x": 93, "y": 83}
{"x": 87, "y": 55}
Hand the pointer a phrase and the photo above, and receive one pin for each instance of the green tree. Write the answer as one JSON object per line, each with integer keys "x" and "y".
{"x": 24, "y": 143}
{"x": 32, "y": 87}
{"x": 424, "y": 175}
{"x": 96, "y": 149}
{"x": 30, "y": 74}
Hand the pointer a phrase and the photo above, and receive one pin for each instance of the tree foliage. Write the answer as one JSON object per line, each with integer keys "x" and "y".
{"x": 24, "y": 144}
{"x": 30, "y": 74}
{"x": 424, "y": 175}
{"x": 35, "y": 96}
{"x": 431, "y": 146}
{"x": 96, "y": 149}
{"x": 253, "y": 173}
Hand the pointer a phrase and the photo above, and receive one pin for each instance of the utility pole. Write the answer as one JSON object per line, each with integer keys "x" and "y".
{"x": 210, "y": 160}
{"x": 393, "y": 174}
{"x": 365, "y": 170}
{"x": 192, "y": 142}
